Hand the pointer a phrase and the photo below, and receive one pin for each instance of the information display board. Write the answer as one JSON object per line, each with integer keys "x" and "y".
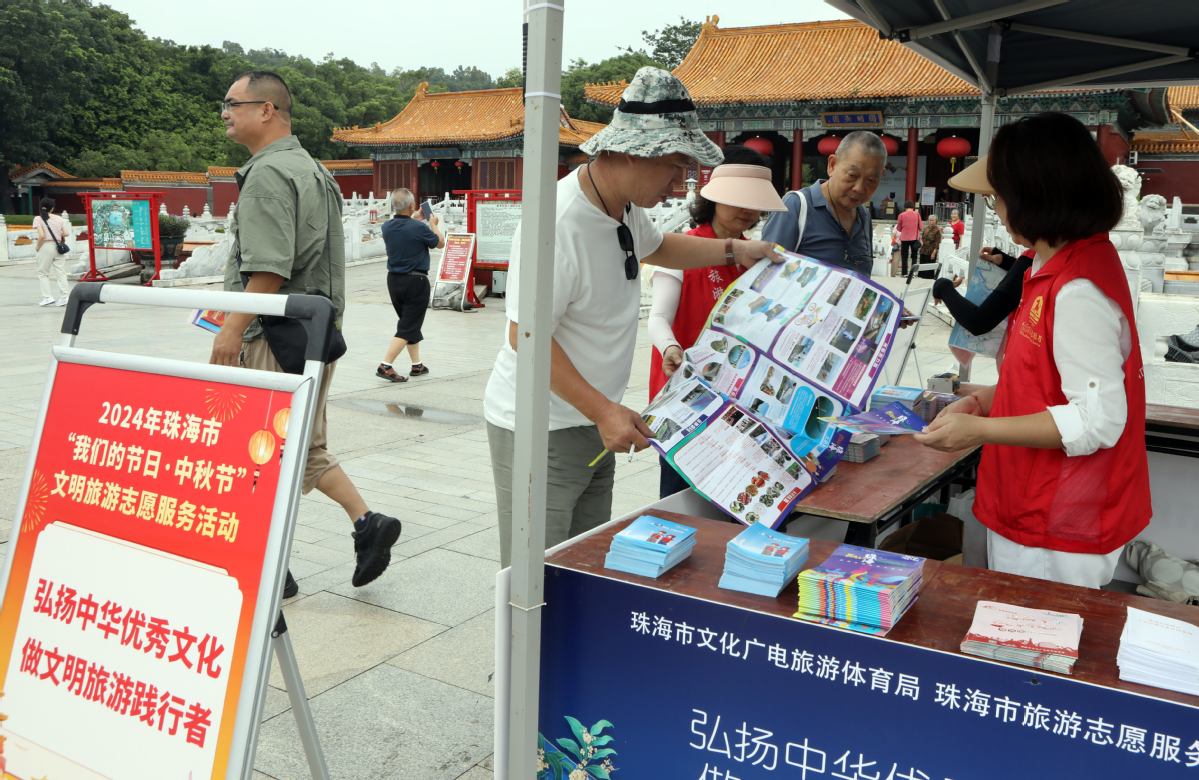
{"x": 456, "y": 261}
{"x": 121, "y": 224}
{"x": 495, "y": 225}
{"x": 928, "y": 196}
{"x": 134, "y": 580}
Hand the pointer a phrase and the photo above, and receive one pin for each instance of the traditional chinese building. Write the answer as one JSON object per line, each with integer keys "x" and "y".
{"x": 1168, "y": 157}
{"x": 794, "y": 85}
{"x": 457, "y": 141}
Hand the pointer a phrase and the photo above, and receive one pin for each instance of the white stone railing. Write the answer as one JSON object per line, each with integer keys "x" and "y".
{"x": 20, "y": 246}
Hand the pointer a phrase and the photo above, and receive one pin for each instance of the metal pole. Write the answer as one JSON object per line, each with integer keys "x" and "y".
{"x": 299, "y": 701}
{"x": 978, "y": 216}
{"x": 536, "y": 290}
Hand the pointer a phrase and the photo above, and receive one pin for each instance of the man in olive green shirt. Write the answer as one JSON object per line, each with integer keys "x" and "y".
{"x": 287, "y": 239}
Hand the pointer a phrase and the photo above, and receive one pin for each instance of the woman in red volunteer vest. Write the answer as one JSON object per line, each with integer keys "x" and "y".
{"x": 1064, "y": 482}
{"x": 730, "y": 203}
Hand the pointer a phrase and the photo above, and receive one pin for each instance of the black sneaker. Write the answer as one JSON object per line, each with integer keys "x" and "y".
{"x": 372, "y": 545}
{"x": 420, "y": 369}
{"x": 290, "y": 587}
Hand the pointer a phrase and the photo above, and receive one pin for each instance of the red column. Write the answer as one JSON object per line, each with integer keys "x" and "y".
{"x": 910, "y": 189}
{"x": 719, "y": 139}
{"x": 797, "y": 160}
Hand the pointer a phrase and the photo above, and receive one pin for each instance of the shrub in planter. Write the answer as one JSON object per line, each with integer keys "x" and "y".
{"x": 171, "y": 226}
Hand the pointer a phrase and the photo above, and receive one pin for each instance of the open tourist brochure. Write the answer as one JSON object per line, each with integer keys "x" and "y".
{"x": 983, "y": 281}
{"x": 786, "y": 345}
{"x": 892, "y": 418}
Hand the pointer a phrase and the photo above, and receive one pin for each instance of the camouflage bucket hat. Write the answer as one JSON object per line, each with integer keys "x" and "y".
{"x": 655, "y": 118}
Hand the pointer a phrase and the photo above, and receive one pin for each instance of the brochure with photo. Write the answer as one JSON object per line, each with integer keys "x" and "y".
{"x": 891, "y": 419}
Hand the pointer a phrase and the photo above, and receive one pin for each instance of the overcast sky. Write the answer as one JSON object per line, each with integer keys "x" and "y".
{"x": 484, "y": 33}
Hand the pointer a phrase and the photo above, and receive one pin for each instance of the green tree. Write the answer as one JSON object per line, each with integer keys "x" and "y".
{"x": 579, "y": 74}
{"x": 671, "y": 44}
{"x": 511, "y": 78}
{"x": 468, "y": 77}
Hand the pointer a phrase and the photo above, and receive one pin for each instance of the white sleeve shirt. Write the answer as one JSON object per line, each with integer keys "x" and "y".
{"x": 1091, "y": 342}
{"x": 668, "y": 291}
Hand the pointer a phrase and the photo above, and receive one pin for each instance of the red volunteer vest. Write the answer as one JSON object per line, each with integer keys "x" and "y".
{"x": 1042, "y": 498}
{"x": 702, "y": 287}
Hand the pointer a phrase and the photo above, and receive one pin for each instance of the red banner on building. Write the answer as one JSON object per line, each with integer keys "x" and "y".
{"x": 135, "y": 575}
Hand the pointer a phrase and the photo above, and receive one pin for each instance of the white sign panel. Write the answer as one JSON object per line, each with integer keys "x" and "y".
{"x": 495, "y": 224}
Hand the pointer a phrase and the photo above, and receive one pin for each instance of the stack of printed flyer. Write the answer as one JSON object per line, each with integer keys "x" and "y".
{"x": 1159, "y": 651}
{"x": 759, "y": 560}
{"x": 863, "y": 446}
{"x": 860, "y": 589}
{"x": 1039, "y": 638}
{"x": 787, "y": 345}
{"x": 925, "y": 403}
{"x": 650, "y": 546}
{"x": 890, "y": 419}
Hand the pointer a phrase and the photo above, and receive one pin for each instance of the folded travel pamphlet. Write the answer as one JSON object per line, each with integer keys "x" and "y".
{"x": 786, "y": 345}
{"x": 860, "y": 589}
{"x": 650, "y": 546}
{"x": 1159, "y": 651}
{"x": 759, "y": 560}
{"x": 211, "y": 321}
{"x": 892, "y": 418}
{"x": 983, "y": 281}
{"x": 1040, "y": 638}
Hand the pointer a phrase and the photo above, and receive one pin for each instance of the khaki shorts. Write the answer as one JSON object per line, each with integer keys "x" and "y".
{"x": 257, "y": 355}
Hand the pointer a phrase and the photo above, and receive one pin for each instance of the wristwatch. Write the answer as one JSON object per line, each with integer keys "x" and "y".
{"x": 728, "y": 252}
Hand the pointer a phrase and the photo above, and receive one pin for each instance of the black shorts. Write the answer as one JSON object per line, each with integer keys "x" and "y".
{"x": 410, "y": 298}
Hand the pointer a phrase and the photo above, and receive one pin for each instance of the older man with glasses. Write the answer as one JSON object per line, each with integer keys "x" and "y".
{"x": 603, "y": 235}
{"x": 287, "y": 239}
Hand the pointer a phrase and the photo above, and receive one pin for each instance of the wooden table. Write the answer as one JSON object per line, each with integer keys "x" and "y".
{"x": 873, "y": 495}
{"x": 938, "y": 620}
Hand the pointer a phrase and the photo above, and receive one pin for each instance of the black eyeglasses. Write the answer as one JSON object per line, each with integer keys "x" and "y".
{"x": 229, "y": 105}
{"x": 631, "y": 265}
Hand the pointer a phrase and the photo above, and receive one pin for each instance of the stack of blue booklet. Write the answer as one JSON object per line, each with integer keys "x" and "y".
{"x": 762, "y": 561}
{"x": 650, "y": 546}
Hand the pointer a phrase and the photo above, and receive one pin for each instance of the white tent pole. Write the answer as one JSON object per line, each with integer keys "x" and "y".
{"x": 971, "y": 20}
{"x": 543, "y": 86}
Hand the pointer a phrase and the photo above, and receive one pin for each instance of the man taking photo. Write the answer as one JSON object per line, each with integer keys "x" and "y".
{"x": 287, "y": 239}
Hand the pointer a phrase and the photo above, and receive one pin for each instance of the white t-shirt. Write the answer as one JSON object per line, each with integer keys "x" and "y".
{"x": 595, "y": 309}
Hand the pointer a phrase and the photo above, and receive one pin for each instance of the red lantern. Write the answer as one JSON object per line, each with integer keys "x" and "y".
{"x": 953, "y": 148}
{"x": 890, "y": 144}
{"x": 828, "y": 145}
{"x": 435, "y": 164}
{"x": 759, "y": 145}
{"x": 459, "y": 165}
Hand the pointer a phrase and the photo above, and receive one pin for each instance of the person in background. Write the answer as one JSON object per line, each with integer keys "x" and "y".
{"x": 958, "y": 227}
{"x": 910, "y": 226}
{"x": 51, "y": 228}
{"x": 1063, "y": 483}
{"x": 985, "y": 317}
{"x": 408, "y": 240}
{"x": 287, "y": 238}
{"x": 930, "y": 245}
{"x": 829, "y": 221}
{"x": 731, "y": 203}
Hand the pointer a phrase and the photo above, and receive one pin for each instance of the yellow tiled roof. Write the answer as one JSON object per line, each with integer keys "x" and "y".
{"x": 458, "y": 117}
{"x": 348, "y": 165}
{"x": 222, "y": 171}
{"x": 1183, "y": 98}
{"x": 165, "y": 177}
{"x": 19, "y": 172}
{"x": 86, "y": 184}
{"x": 1165, "y": 143}
{"x": 809, "y": 61}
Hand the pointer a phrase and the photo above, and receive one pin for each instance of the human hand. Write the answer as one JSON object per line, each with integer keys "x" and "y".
{"x": 672, "y": 358}
{"x": 909, "y": 323}
{"x": 748, "y": 253}
{"x": 433, "y": 220}
{"x": 226, "y": 348}
{"x": 990, "y": 254}
{"x": 966, "y": 405}
{"x": 622, "y": 429}
{"x": 954, "y": 432}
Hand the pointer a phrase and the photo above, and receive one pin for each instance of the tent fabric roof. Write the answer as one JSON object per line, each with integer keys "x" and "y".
{"x": 809, "y": 61}
{"x": 459, "y": 117}
{"x": 1030, "y": 57}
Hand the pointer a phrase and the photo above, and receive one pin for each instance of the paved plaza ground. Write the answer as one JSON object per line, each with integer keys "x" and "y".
{"x": 400, "y": 672}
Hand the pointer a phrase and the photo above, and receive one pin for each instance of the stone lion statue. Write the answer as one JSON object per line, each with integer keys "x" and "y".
{"x": 1130, "y": 182}
{"x": 1153, "y": 213}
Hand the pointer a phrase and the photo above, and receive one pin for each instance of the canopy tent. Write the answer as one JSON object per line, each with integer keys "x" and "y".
{"x": 1014, "y": 48}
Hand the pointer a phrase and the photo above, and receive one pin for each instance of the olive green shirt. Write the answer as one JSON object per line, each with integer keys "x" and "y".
{"x": 286, "y": 210}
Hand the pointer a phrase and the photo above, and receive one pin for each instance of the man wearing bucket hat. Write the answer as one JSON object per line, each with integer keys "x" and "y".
{"x": 603, "y": 234}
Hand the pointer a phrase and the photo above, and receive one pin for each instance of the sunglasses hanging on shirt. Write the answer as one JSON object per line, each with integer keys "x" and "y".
{"x": 623, "y": 235}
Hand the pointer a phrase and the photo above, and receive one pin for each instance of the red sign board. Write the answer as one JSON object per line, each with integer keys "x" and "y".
{"x": 492, "y": 216}
{"x": 139, "y": 479}
{"x": 455, "y": 263}
{"x": 128, "y": 222}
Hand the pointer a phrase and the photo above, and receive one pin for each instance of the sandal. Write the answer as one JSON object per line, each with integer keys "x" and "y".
{"x": 389, "y": 373}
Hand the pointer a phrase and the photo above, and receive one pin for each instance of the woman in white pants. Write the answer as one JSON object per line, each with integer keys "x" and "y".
{"x": 51, "y": 228}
